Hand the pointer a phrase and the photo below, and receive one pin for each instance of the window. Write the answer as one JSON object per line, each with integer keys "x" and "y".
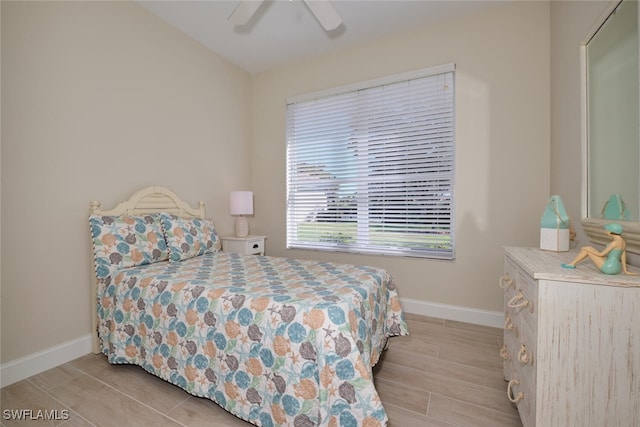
{"x": 370, "y": 168}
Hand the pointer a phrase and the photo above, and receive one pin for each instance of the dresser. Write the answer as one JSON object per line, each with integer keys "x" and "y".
{"x": 571, "y": 341}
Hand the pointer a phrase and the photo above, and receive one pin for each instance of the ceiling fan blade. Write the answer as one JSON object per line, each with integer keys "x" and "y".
{"x": 244, "y": 11}
{"x": 325, "y": 13}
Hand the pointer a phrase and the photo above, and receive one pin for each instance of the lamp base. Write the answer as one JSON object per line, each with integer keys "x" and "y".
{"x": 241, "y": 227}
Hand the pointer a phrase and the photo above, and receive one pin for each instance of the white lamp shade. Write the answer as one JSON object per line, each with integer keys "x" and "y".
{"x": 241, "y": 203}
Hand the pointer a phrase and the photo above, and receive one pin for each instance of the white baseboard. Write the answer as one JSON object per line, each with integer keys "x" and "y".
{"x": 32, "y": 364}
{"x": 454, "y": 312}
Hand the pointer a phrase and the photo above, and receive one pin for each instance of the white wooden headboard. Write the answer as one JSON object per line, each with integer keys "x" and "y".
{"x": 145, "y": 201}
{"x": 152, "y": 200}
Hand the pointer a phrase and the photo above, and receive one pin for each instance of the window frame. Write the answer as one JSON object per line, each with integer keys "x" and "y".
{"x": 434, "y": 253}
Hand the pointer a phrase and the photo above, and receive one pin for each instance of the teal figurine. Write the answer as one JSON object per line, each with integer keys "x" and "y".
{"x": 611, "y": 260}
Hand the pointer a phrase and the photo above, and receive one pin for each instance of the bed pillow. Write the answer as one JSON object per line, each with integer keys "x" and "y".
{"x": 187, "y": 238}
{"x": 126, "y": 241}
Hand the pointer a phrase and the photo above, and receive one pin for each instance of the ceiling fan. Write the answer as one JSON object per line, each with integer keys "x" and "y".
{"x": 323, "y": 10}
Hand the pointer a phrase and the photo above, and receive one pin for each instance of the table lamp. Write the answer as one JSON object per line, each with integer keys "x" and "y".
{"x": 241, "y": 203}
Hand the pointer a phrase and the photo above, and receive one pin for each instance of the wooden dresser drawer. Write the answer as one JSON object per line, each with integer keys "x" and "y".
{"x": 521, "y": 299}
{"x": 523, "y": 396}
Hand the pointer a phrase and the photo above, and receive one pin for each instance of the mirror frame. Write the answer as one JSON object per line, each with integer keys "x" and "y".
{"x": 594, "y": 227}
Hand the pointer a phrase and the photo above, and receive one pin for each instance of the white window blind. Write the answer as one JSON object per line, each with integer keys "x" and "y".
{"x": 370, "y": 168}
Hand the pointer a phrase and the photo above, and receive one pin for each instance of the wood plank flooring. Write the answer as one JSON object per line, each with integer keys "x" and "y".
{"x": 444, "y": 374}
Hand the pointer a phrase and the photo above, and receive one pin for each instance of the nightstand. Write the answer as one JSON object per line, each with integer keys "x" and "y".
{"x": 250, "y": 245}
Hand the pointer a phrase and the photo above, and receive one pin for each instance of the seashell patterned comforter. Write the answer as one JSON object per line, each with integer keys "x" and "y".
{"x": 275, "y": 341}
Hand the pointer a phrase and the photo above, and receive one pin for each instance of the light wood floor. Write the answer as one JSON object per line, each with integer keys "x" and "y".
{"x": 444, "y": 374}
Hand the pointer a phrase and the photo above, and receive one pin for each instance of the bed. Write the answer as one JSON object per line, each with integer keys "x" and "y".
{"x": 275, "y": 341}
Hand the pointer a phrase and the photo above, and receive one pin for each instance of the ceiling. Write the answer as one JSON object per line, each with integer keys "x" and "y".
{"x": 283, "y": 31}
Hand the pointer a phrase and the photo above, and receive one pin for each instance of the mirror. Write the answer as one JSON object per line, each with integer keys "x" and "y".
{"x": 612, "y": 126}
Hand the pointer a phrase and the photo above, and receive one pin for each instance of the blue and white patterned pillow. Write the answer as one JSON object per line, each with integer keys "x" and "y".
{"x": 126, "y": 241}
{"x": 187, "y": 238}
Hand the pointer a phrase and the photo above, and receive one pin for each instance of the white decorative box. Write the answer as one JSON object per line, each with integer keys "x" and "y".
{"x": 554, "y": 239}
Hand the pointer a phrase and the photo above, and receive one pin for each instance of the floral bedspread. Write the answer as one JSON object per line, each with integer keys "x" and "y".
{"x": 275, "y": 341}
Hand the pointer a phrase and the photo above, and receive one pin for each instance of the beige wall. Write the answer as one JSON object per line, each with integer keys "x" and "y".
{"x": 98, "y": 100}
{"x": 502, "y": 142}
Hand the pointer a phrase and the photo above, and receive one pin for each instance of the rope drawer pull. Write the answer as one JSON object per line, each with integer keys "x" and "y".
{"x": 523, "y": 357}
{"x": 505, "y": 281}
{"x": 514, "y": 304}
{"x": 520, "y": 394}
{"x": 504, "y": 353}
{"x": 508, "y": 324}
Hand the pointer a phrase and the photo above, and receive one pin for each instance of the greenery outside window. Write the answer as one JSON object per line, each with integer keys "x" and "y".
{"x": 370, "y": 167}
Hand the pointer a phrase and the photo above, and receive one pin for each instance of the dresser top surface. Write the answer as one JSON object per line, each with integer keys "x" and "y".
{"x": 547, "y": 265}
